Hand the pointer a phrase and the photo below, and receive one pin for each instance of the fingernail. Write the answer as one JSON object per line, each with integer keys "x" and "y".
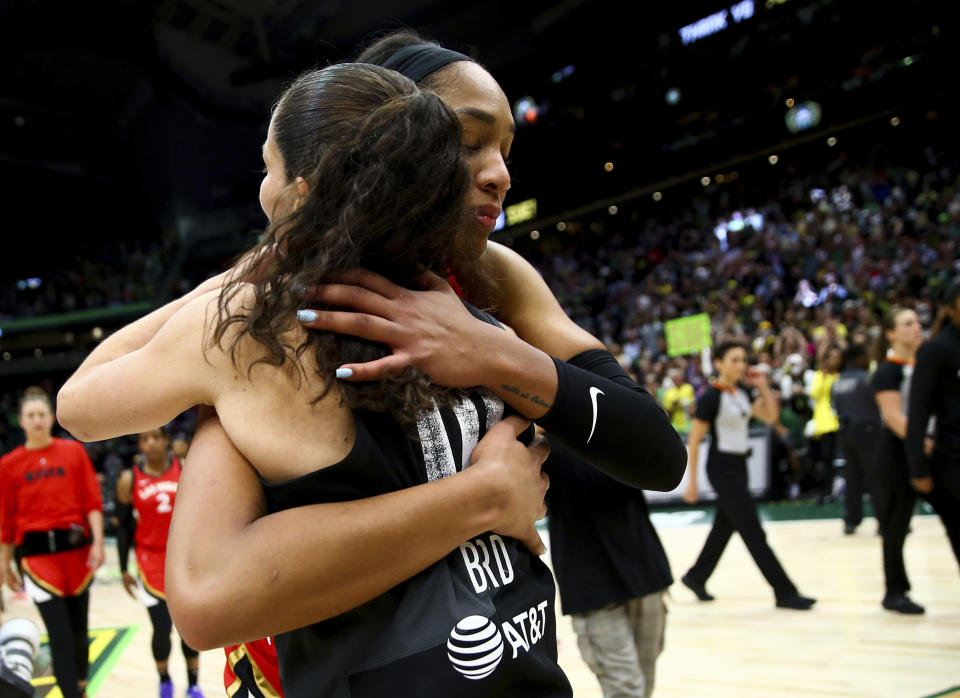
{"x": 343, "y": 373}
{"x": 306, "y": 315}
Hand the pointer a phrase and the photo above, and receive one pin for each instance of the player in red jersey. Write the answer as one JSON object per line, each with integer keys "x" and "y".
{"x": 150, "y": 490}
{"x": 51, "y": 509}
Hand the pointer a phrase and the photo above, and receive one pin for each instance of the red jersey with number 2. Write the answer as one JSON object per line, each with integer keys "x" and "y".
{"x": 153, "y": 498}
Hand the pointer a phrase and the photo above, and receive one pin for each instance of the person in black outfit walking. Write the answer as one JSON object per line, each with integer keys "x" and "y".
{"x": 612, "y": 573}
{"x": 859, "y": 429}
{"x": 725, "y": 409}
{"x": 894, "y": 497}
{"x": 936, "y": 393}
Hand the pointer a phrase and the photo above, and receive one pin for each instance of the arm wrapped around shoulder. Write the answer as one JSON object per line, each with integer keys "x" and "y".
{"x": 613, "y": 424}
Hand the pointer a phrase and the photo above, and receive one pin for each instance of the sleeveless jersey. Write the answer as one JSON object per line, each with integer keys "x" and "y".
{"x": 480, "y": 622}
{"x": 153, "y": 499}
{"x": 251, "y": 670}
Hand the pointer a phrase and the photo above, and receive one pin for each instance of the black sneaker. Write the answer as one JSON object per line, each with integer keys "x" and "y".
{"x": 699, "y": 589}
{"x": 796, "y": 602}
{"x": 901, "y": 603}
{"x": 849, "y": 529}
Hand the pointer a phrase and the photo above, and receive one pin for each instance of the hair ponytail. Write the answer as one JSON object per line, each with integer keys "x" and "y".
{"x": 387, "y": 182}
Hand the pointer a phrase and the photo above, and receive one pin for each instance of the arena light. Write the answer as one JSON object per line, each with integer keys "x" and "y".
{"x": 521, "y": 211}
{"x": 608, "y": 166}
{"x": 672, "y": 96}
{"x": 803, "y": 116}
{"x": 716, "y": 22}
{"x": 525, "y": 110}
{"x": 657, "y": 196}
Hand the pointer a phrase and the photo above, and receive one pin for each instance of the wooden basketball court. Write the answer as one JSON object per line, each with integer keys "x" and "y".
{"x": 738, "y": 645}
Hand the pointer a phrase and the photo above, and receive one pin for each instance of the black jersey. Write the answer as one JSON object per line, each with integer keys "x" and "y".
{"x": 893, "y": 375}
{"x": 729, "y": 411}
{"x": 936, "y": 394}
{"x": 480, "y": 622}
{"x": 853, "y": 398}
{"x": 604, "y": 548}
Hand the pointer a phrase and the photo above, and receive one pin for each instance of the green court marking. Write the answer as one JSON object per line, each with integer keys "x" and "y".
{"x": 950, "y": 692}
{"x": 796, "y": 510}
{"x": 113, "y": 654}
{"x": 106, "y": 645}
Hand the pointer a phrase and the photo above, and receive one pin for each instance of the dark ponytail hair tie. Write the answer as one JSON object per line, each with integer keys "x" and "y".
{"x": 417, "y": 62}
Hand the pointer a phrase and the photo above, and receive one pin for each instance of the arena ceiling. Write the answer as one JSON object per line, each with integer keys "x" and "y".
{"x": 140, "y": 113}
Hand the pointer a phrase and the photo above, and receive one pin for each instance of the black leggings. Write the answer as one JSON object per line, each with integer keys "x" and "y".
{"x": 894, "y": 503}
{"x": 162, "y": 626}
{"x": 858, "y": 441}
{"x": 736, "y": 511}
{"x": 66, "y": 621}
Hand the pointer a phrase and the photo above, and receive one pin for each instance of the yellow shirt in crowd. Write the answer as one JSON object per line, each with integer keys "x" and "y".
{"x": 824, "y": 416}
{"x": 677, "y": 402}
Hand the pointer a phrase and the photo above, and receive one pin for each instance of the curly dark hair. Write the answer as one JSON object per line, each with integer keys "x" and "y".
{"x": 387, "y": 181}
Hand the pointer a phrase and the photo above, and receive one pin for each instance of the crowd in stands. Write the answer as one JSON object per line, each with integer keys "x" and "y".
{"x": 796, "y": 272}
{"x": 112, "y": 273}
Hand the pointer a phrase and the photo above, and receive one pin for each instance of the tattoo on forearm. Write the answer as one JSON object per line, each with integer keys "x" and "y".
{"x": 535, "y": 399}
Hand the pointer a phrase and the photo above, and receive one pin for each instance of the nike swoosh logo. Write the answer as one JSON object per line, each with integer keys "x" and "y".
{"x": 593, "y": 399}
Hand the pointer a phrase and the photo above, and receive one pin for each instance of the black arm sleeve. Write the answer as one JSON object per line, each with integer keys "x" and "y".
{"x": 124, "y": 533}
{"x": 922, "y": 387}
{"x": 613, "y": 424}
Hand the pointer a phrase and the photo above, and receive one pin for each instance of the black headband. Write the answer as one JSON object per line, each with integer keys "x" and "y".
{"x": 419, "y": 61}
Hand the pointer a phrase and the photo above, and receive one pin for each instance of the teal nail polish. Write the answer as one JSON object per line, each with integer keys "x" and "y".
{"x": 306, "y": 315}
{"x": 343, "y": 373}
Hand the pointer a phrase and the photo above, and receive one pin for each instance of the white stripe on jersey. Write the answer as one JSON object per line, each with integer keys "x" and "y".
{"x": 437, "y": 454}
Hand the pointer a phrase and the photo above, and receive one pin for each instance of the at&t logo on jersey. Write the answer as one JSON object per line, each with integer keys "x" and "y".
{"x": 475, "y": 647}
{"x": 476, "y": 644}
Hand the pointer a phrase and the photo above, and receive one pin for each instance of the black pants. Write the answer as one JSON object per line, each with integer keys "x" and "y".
{"x": 945, "y": 496}
{"x": 894, "y": 500}
{"x": 858, "y": 441}
{"x": 737, "y": 512}
{"x": 162, "y": 626}
{"x": 66, "y": 621}
{"x": 823, "y": 450}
